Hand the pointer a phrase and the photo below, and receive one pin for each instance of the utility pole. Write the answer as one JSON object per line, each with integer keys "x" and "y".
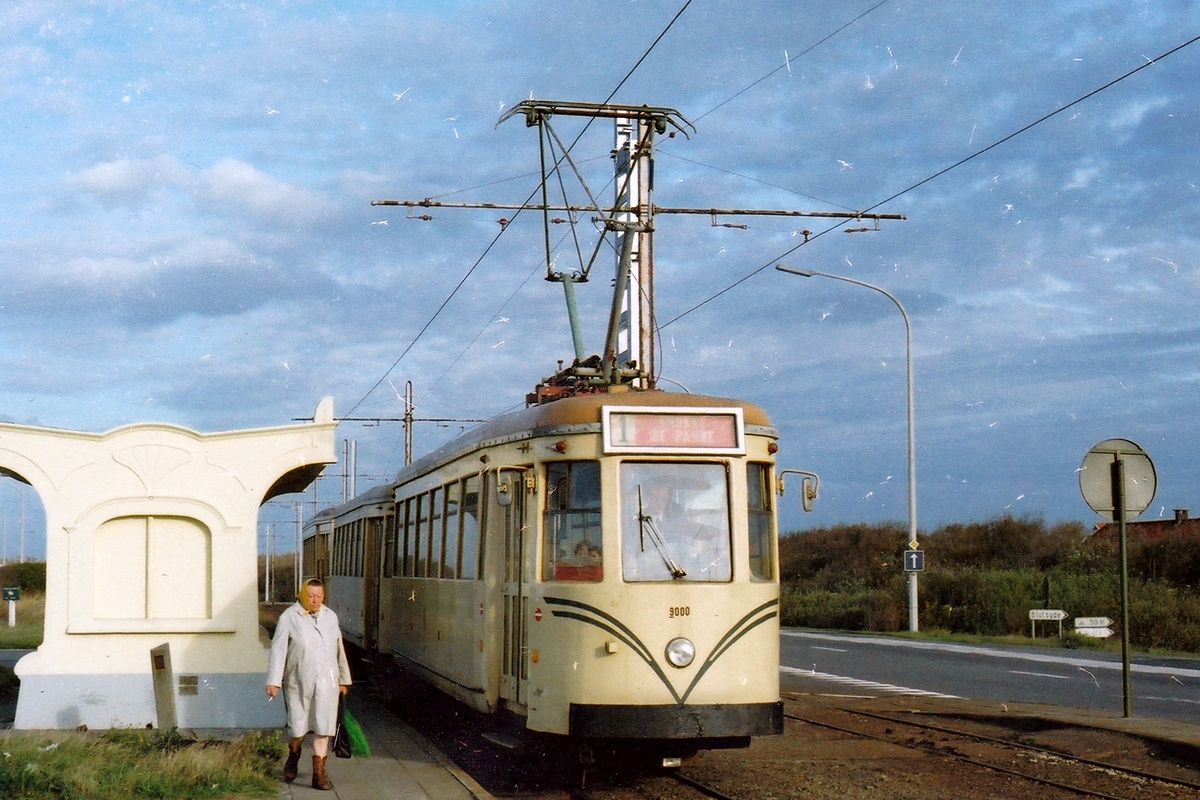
{"x": 628, "y": 353}
{"x": 634, "y": 154}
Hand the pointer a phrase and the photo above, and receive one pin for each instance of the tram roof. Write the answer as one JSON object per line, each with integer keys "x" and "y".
{"x": 582, "y": 411}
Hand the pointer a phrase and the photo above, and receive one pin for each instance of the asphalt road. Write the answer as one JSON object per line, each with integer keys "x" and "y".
{"x": 849, "y": 664}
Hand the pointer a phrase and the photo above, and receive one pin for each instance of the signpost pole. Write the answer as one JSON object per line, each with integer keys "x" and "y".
{"x": 1118, "y": 492}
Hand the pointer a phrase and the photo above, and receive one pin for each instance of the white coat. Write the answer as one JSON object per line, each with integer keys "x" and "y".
{"x": 309, "y": 662}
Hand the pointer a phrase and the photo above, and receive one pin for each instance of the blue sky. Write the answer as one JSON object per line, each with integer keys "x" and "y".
{"x": 189, "y": 238}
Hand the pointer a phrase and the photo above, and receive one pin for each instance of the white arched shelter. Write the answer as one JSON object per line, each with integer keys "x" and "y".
{"x": 151, "y": 539}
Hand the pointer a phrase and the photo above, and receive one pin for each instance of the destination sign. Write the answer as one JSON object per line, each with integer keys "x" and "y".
{"x": 666, "y": 430}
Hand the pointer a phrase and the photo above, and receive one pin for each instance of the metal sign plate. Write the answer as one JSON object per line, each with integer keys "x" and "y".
{"x": 914, "y": 560}
{"x": 1095, "y": 477}
{"x": 1096, "y": 633}
{"x": 1092, "y": 622}
{"x": 1047, "y": 613}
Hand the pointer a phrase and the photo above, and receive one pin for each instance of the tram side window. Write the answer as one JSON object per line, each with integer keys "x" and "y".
{"x": 355, "y": 549}
{"x": 360, "y": 547}
{"x": 571, "y": 550}
{"x": 422, "y": 552}
{"x": 410, "y": 537}
{"x": 758, "y": 501}
{"x": 389, "y": 546}
{"x": 360, "y": 543}
{"x": 470, "y": 528}
{"x": 450, "y": 563}
{"x": 339, "y": 551}
{"x": 436, "y": 526}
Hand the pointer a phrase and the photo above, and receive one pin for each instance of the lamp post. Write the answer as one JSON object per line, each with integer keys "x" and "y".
{"x": 912, "y": 452}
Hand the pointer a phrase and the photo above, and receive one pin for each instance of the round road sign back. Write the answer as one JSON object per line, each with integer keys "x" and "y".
{"x": 1095, "y": 478}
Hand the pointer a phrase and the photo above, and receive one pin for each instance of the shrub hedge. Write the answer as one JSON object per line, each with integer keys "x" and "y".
{"x": 983, "y": 578}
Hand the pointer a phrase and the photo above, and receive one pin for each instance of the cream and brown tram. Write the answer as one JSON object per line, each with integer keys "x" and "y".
{"x": 603, "y": 567}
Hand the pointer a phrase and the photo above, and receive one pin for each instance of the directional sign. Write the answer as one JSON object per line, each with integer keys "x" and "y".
{"x": 1098, "y": 633}
{"x": 1094, "y": 626}
{"x": 1096, "y": 482}
{"x": 1092, "y": 622}
{"x": 914, "y": 560}
{"x": 1047, "y": 613}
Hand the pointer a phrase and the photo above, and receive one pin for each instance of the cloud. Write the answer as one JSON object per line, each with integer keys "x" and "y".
{"x": 131, "y": 182}
{"x": 1083, "y": 176}
{"x": 1132, "y": 114}
{"x": 229, "y": 187}
{"x": 237, "y": 187}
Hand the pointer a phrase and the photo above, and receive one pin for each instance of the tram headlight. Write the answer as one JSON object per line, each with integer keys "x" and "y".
{"x": 680, "y": 652}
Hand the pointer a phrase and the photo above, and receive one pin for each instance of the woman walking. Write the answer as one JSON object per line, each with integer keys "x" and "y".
{"x": 309, "y": 662}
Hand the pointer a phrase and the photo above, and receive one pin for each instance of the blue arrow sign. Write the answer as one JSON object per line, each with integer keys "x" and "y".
{"x": 914, "y": 560}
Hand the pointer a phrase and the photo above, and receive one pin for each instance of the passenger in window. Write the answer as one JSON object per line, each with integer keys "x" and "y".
{"x": 309, "y": 662}
{"x": 586, "y": 549}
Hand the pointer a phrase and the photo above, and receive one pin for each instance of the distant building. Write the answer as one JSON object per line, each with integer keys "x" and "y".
{"x": 1153, "y": 529}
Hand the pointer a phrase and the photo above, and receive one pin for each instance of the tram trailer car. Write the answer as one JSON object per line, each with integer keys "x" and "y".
{"x": 603, "y": 567}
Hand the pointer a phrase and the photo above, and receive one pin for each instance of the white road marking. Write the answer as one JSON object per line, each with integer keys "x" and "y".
{"x": 1039, "y": 674}
{"x": 1168, "y": 699}
{"x": 882, "y": 641}
{"x": 886, "y": 688}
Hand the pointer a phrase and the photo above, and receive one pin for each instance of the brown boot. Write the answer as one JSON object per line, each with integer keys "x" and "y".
{"x": 292, "y": 764}
{"x": 320, "y": 779}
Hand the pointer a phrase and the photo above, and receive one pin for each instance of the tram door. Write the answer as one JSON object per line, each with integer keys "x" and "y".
{"x": 515, "y": 591}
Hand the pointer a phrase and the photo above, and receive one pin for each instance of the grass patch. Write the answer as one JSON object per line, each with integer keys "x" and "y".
{"x": 31, "y": 615}
{"x": 125, "y": 763}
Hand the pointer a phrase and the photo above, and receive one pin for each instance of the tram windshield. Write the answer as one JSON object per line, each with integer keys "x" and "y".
{"x": 674, "y": 522}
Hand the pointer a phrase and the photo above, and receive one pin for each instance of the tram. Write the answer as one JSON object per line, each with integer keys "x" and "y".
{"x": 602, "y": 567}
{"x": 599, "y": 568}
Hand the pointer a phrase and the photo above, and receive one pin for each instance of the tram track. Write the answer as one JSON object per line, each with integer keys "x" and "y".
{"x": 664, "y": 786}
{"x": 1194, "y": 785}
{"x": 991, "y": 752}
{"x": 844, "y": 749}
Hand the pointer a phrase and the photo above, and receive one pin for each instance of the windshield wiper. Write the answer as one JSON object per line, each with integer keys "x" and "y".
{"x": 646, "y": 523}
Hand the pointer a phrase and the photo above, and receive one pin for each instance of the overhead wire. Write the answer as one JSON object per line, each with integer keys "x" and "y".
{"x": 495, "y": 239}
{"x": 934, "y": 176}
{"x": 752, "y": 179}
{"x": 787, "y": 62}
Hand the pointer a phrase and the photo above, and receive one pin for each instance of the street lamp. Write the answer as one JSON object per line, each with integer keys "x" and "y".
{"x": 912, "y": 451}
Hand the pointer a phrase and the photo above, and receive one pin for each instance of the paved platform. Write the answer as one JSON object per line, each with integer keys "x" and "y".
{"x": 402, "y": 766}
